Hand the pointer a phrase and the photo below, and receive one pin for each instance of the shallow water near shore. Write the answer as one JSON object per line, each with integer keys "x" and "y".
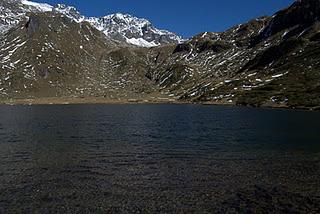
{"x": 158, "y": 159}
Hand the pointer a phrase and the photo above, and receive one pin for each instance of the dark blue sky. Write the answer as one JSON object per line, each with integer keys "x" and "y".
{"x": 185, "y": 17}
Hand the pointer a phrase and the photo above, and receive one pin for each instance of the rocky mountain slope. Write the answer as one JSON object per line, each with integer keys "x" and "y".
{"x": 52, "y": 56}
{"x": 269, "y": 61}
{"x": 272, "y": 61}
{"x": 14, "y": 11}
{"x": 119, "y": 27}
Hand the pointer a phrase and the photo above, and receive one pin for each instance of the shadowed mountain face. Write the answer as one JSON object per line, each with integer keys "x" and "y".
{"x": 270, "y": 61}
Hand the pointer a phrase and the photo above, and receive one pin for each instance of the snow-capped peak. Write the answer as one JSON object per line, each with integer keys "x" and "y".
{"x": 127, "y": 19}
{"x": 70, "y": 12}
{"x": 133, "y": 30}
{"x": 118, "y": 26}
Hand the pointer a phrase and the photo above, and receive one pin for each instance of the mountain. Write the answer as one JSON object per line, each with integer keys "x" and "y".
{"x": 14, "y": 11}
{"x": 58, "y": 53}
{"x": 120, "y": 27}
{"x": 140, "y": 32}
{"x": 269, "y": 61}
{"x": 50, "y": 55}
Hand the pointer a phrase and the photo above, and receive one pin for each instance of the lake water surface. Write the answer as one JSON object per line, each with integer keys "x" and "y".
{"x": 158, "y": 159}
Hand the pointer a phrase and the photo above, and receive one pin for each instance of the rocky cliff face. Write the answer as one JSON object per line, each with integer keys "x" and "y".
{"x": 269, "y": 61}
{"x": 14, "y": 11}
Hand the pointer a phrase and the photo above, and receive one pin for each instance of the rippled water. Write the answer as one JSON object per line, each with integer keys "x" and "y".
{"x": 158, "y": 159}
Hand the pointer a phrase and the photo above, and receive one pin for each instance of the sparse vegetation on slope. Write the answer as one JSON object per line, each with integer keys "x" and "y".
{"x": 269, "y": 61}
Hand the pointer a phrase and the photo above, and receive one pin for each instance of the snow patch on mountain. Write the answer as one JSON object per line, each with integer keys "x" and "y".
{"x": 39, "y": 6}
{"x": 141, "y": 42}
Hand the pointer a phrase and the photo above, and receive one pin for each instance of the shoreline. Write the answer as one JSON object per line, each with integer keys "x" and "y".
{"x": 104, "y": 101}
{"x": 86, "y": 101}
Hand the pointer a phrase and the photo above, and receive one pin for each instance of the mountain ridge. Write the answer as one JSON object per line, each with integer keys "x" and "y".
{"x": 268, "y": 61}
{"x": 121, "y": 27}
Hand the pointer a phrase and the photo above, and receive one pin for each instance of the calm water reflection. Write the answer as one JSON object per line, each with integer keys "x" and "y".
{"x": 157, "y": 159}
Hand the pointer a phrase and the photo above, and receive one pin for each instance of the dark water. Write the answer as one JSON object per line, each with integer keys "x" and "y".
{"x": 158, "y": 159}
